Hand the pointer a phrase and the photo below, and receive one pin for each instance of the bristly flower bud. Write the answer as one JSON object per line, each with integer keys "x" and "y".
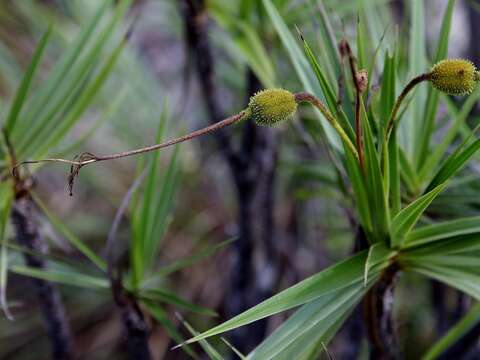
{"x": 271, "y": 106}
{"x": 454, "y": 76}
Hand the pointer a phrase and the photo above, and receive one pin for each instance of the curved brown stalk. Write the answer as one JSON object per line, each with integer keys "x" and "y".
{"x": 89, "y": 158}
{"x": 306, "y": 97}
{"x": 360, "y": 84}
{"x": 391, "y": 121}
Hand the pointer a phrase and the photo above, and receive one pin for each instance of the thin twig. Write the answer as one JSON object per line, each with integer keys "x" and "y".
{"x": 89, "y": 158}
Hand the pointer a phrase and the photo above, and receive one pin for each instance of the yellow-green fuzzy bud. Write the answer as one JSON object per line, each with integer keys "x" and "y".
{"x": 454, "y": 77}
{"x": 271, "y": 106}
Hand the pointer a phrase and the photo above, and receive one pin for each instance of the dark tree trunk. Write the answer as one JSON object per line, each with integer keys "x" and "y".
{"x": 252, "y": 167}
{"x": 53, "y": 311}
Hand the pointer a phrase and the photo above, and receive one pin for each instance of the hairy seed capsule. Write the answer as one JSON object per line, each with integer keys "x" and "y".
{"x": 271, "y": 106}
{"x": 454, "y": 77}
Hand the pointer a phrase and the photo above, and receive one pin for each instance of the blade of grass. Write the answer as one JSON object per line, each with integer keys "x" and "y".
{"x": 434, "y": 157}
{"x": 22, "y": 92}
{"x": 471, "y": 319}
{"x": 168, "y": 297}
{"x": 209, "y": 349}
{"x": 327, "y": 90}
{"x": 162, "y": 317}
{"x": 107, "y": 114}
{"x": 334, "y": 278}
{"x": 145, "y": 221}
{"x": 374, "y": 179}
{"x": 83, "y": 101}
{"x": 308, "y": 325}
{"x": 412, "y": 124}
{"x": 67, "y": 94}
{"x": 234, "y": 349}
{"x": 433, "y": 95}
{"x": 6, "y": 196}
{"x": 406, "y": 219}
{"x": 454, "y": 163}
{"x": 63, "y": 277}
{"x": 301, "y": 66}
{"x": 359, "y": 192}
{"x": 444, "y": 230}
{"x": 60, "y": 71}
{"x": 69, "y": 236}
{"x": 458, "y": 279}
{"x": 170, "y": 181}
{"x": 184, "y": 263}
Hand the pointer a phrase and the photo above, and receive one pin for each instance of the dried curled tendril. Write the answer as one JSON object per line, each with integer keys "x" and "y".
{"x": 75, "y": 168}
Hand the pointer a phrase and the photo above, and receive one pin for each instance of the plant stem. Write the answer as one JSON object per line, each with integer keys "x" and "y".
{"x": 391, "y": 121}
{"x": 378, "y": 312}
{"x": 135, "y": 328}
{"x": 53, "y": 311}
{"x": 358, "y": 93}
{"x": 313, "y": 100}
{"x": 93, "y": 158}
{"x": 88, "y": 158}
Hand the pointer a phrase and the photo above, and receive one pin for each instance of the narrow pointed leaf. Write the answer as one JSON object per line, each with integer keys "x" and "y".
{"x": 471, "y": 319}
{"x": 444, "y": 230}
{"x": 408, "y": 217}
{"x": 334, "y": 278}
{"x": 63, "y": 277}
{"x": 22, "y": 92}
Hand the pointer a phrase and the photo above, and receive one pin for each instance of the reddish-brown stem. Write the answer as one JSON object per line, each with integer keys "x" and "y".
{"x": 88, "y": 158}
{"x": 391, "y": 121}
{"x": 306, "y": 97}
{"x": 358, "y": 94}
{"x": 91, "y": 158}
